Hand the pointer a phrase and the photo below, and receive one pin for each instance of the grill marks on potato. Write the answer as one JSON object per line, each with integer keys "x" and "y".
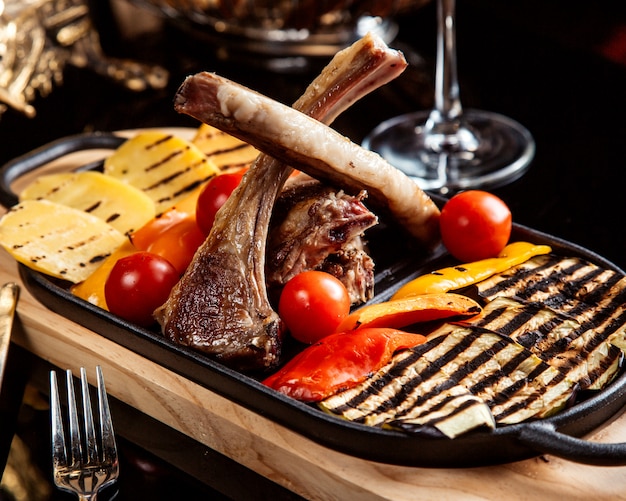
{"x": 165, "y": 167}
{"x": 31, "y": 233}
{"x": 225, "y": 151}
{"x": 121, "y": 205}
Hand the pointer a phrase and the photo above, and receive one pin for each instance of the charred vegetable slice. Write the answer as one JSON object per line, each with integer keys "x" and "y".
{"x": 457, "y": 277}
{"x": 592, "y": 295}
{"x": 512, "y": 382}
{"x": 31, "y": 233}
{"x": 165, "y": 167}
{"x": 516, "y": 384}
{"x": 339, "y": 361}
{"x": 583, "y": 354}
{"x": 405, "y": 395}
{"x": 121, "y": 205}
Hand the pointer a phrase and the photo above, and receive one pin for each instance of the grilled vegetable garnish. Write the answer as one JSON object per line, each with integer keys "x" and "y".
{"x": 31, "y": 233}
{"x": 164, "y": 167}
{"x": 225, "y": 151}
{"x": 404, "y": 312}
{"x": 123, "y": 206}
{"x": 339, "y": 361}
{"x": 580, "y": 352}
{"x": 501, "y": 374}
{"x": 551, "y": 326}
{"x": 592, "y": 295}
{"x": 457, "y": 277}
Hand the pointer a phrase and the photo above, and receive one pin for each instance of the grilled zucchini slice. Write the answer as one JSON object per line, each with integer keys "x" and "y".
{"x": 450, "y": 381}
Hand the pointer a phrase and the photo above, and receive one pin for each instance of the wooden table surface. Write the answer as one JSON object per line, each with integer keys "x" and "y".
{"x": 281, "y": 455}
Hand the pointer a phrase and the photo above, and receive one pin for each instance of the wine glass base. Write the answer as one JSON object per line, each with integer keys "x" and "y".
{"x": 503, "y": 152}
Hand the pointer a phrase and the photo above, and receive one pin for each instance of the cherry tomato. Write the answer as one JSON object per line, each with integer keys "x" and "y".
{"x": 475, "y": 225}
{"x": 213, "y": 196}
{"x": 312, "y": 304}
{"x": 137, "y": 285}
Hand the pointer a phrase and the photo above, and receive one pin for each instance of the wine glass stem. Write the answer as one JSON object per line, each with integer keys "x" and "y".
{"x": 447, "y": 101}
{"x": 445, "y": 130}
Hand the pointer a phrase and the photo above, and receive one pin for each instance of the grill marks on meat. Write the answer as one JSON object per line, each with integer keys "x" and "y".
{"x": 317, "y": 227}
{"x": 220, "y": 305}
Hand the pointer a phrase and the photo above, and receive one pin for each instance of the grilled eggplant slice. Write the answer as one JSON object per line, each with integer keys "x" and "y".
{"x": 593, "y": 296}
{"x": 462, "y": 378}
{"x": 550, "y": 327}
{"x": 581, "y": 353}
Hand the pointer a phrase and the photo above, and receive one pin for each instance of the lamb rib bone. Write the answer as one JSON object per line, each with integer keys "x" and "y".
{"x": 305, "y": 143}
{"x": 220, "y": 305}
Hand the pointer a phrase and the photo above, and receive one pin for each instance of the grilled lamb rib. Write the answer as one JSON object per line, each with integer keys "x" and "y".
{"x": 220, "y": 305}
{"x": 306, "y": 144}
{"x": 314, "y": 226}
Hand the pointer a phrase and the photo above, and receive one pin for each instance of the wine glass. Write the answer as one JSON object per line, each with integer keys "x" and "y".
{"x": 448, "y": 149}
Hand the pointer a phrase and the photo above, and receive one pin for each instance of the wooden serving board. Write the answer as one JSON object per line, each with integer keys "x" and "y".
{"x": 283, "y": 456}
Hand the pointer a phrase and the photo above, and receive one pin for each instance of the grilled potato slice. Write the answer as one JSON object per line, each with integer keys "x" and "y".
{"x": 165, "y": 167}
{"x": 123, "y": 206}
{"x": 226, "y": 152}
{"x": 58, "y": 240}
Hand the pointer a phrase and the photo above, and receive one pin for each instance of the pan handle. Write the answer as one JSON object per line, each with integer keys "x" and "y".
{"x": 47, "y": 153}
{"x": 543, "y": 437}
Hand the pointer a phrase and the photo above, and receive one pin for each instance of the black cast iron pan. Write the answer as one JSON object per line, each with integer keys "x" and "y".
{"x": 396, "y": 263}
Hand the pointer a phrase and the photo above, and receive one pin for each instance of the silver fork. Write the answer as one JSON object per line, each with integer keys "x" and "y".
{"x": 88, "y": 468}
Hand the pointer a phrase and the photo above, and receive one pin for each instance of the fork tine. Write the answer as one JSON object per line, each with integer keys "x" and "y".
{"x": 109, "y": 447}
{"x": 90, "y": 433}
{"x": 59, "y": 453}
{"x": 76, "y": 450}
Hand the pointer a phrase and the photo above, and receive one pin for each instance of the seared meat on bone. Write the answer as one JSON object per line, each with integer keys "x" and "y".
{"x": 317, "y": 227}
{"x": 220, "y": 305}
{"x": 308, "y": 145}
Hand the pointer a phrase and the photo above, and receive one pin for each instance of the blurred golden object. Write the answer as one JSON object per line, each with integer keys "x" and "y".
{"x": 39, "y": 37}
{"x": 21, "y": 478}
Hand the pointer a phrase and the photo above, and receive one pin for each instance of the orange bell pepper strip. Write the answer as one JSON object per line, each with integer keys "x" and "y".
{"x": 339, "y": 361}
{"x": 403, "y": 312}
{"x": 462, "y": 275}
{"x": 92, "y": 288}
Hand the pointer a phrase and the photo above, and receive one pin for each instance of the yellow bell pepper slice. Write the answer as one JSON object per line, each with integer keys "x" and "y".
{"x": 92, "y": 288}
{"x": 457, "y": 277}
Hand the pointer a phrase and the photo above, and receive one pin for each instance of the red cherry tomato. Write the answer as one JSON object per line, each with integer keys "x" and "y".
{"x": 213, "y": 196}
{"x": 137, "y": 285}
{"x": 312, "y": 304}
{"x": 475, "y": 225}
